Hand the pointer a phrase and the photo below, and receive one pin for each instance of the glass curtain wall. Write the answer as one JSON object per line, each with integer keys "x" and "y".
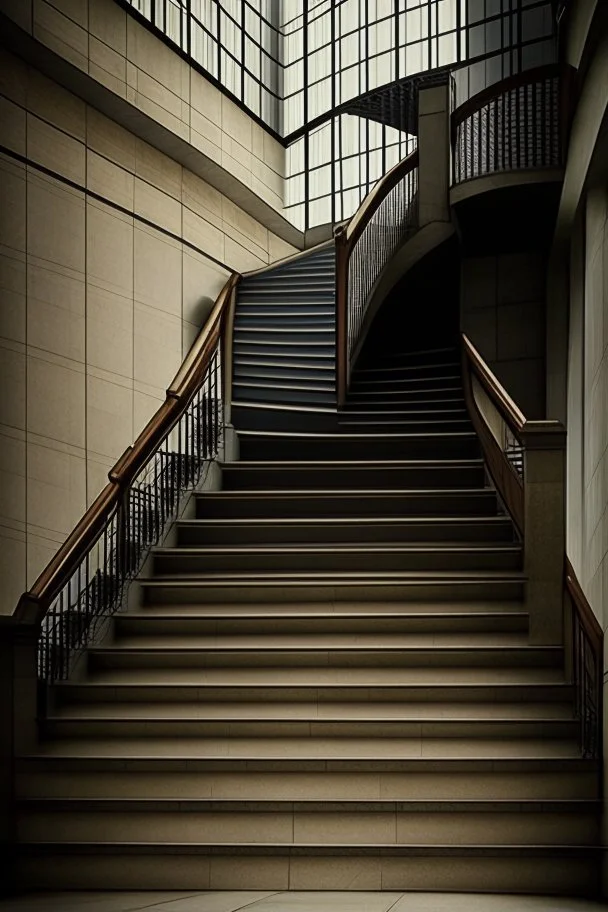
{"x": 296, "y": 65}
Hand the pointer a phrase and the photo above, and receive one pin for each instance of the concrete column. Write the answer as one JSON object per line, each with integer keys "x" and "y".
{"x": 557, "y": 334}
{"x": 544, "y": 538}
{"x": 434, "y": 154}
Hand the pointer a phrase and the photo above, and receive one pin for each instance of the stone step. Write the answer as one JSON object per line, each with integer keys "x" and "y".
{"x": 377, "y": 557}
{"x": 281, "y": 529}
{"x": 563, "y": 869}
{"x": 354, "y": 821}
{"x": 453, "y": 780}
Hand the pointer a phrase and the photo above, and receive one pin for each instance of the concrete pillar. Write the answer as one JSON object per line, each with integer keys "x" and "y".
{"x": 544, "y": 538}
{"x": 557, "y": 334}
{"x": 434, "y": 155}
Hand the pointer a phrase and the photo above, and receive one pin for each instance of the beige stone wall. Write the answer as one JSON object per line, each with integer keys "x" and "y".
{"x": 503, "y": 313}
{"x": 111, "y": 255}
{"x": 102, "y": 40}
{"x": 587, "y": 526}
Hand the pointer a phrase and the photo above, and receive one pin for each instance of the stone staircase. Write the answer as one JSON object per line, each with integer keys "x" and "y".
{"x": 328, "y": 683}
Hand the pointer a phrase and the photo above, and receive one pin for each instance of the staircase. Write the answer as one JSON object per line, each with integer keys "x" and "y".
{"x": 328, "y": 684}
{"x": 284, "y": 334}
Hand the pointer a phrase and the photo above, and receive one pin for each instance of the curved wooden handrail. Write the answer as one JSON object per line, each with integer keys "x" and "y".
{"x": 478, "y": 101}
{"x": 34, "y": 603}
{"x": 355, "y": 227}
{"x": 512, "y": 415}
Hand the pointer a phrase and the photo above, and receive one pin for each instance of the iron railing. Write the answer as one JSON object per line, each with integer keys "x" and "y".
{"x": 587, "y": 668}
{"x": 389, "y": 226}
{"x": 514, "y": 125}
{"x": 97, "y": 587}
{"x": 87, "y": 580}
{"x": 364, "y": 247}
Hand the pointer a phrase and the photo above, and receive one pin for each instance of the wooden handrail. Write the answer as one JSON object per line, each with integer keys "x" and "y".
{"x": 512, "y": 415}
{"x": 478, "y": 101}
{"x": 34, "y": 603}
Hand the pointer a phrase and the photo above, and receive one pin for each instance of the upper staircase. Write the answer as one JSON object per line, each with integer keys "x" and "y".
{"x": 284, "y": 333}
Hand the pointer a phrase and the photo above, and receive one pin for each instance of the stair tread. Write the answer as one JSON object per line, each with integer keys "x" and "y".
{"x": 317, "y": 848}
{"x": 333, "y": 610}
{"x": 372, "y": 465}
{"x": 345, "y": 492}
{"x": 338, "y": 576}
{"x": 298, "y": 435}
{"x": 326, "y": 676}
{"x": 343, "y": 520}
{"x": 422, "y": 805}
{"x": 341, "y": 641}
{"x": 226, "y": 749}
{"x": 347, "y": 548}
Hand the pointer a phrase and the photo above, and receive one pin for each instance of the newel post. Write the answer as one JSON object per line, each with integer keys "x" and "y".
{"x": 342, "y": 365}
{"x": 544, "y": 445}
{"x": 434, "y": 148}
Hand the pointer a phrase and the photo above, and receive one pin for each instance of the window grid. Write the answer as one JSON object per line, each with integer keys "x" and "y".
{"x": 296, "y": 64}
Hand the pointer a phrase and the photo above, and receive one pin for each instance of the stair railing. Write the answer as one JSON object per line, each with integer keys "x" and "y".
{"x": 515, "y": 124}
{"x": 526, "y": 461}
{"x": 587, "y": 665}
{"x": 86, "y": 580}
{"x": 364, "y": 246}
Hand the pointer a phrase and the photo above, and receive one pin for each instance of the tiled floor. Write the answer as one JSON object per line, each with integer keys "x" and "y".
{"x": 240, "y": 901}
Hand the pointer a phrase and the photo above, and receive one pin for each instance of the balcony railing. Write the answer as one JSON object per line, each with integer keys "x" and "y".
{"x": 514, "y": 125}
{"x": 364, "y": 247}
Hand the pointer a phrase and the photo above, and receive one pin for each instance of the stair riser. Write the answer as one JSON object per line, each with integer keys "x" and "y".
{"x": 201, "y": 562}
{"x": 303, "y": 396}
{"x": 281, "y": 359}
{"x": 518, "y": 873}
{"x": 441, "y": 380}
{"x": 246, "y": 592}
{"x": 256, "y": 658}
{"x": 134, "y": 693}
{"x": 413, "y": 398}
{"x": 149, "y": 625}
{"x": 324, "y": 372}
{"x": 541, "y": 785}
{"x": 280, "y": 533}
{"x": 240, "y": 476}
{"x": 330, "y": 505}
{"x": 375, "y": 448}
{"x": 258, "y": 418}
{"x": 304, "y": 334}
{"x": 405, "y": 426}
{"x": 279, "y": 728}
{"x": 250, "y": 593}
{"x": 387, "y": 374}
{"x": 344, "y": 826}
